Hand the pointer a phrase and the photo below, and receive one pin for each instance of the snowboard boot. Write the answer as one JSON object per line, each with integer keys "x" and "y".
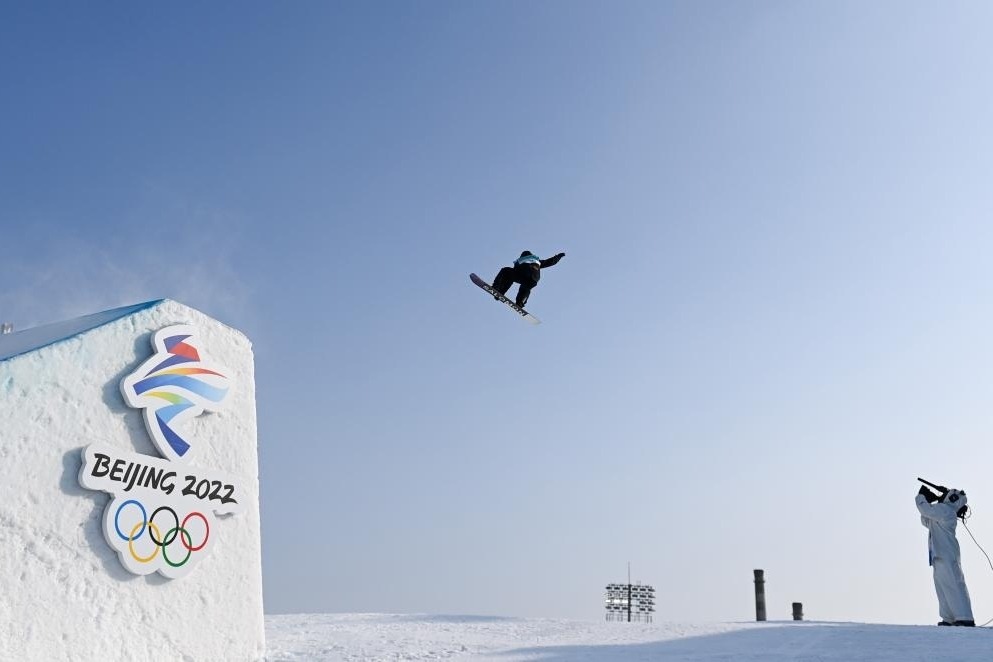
{"x": 968, "y": 624}
{"x": 944, "y": 623}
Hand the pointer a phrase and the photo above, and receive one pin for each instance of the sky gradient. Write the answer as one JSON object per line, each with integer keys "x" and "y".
{"x": 772, "y": 316}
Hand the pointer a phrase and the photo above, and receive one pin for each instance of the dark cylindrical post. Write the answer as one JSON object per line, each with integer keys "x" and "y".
{"x": 797, "y": 611}
{"x": 759, "y": 595}
{"x": 629, "y": 591}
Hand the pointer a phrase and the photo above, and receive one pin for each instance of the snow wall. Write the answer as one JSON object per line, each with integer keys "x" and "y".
{"x": 80, "y": 476}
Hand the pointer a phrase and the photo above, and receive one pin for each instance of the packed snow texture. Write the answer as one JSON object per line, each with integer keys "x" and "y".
{"x": 49, "y": 334}
{"x": 370, "y": 637}
{"x": 66, "y": 595}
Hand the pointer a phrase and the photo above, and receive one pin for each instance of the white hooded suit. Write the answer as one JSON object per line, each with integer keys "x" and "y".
{"x": 949, "y": 582}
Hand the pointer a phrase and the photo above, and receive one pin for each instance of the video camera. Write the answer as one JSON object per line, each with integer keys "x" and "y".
{"x": 941, "y": 489}
{"x": 943, "y": 492}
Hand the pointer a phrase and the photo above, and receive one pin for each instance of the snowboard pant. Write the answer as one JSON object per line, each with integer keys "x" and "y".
{"x": 510, "y": 275}
{"x": 953, "y": 596}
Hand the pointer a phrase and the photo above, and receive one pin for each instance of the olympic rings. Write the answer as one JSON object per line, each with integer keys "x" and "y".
{"x": 146, "y": 523}
{"x": 137, "y": 558}
{"x": 117, "y": 516}
{"x": 167, "y": 538}
{"x": 183, "y": 533}
{"x": 205, "y": 535}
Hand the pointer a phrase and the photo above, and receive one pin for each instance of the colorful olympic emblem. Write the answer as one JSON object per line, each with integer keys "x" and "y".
{"x": 153, "y": 537}
{"x": 175, "y": 385}
{"x": 177, "y": 532}
{"x": 161, "y": 515}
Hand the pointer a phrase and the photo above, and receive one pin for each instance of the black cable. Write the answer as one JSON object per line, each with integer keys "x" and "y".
{"x": 969, "y": 514}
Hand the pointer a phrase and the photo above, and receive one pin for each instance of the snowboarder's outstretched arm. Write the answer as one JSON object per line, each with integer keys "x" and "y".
{"x": 552, "y": 261}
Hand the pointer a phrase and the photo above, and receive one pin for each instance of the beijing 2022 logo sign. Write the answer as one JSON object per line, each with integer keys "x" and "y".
{"x": 161, "y": 516}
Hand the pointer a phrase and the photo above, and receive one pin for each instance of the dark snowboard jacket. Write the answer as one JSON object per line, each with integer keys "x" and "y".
{"x": 527, "y": 268}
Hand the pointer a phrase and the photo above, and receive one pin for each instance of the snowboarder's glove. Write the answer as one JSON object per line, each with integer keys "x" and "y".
{"x": 930, "y": 496}
{"x": 560, "y": 255}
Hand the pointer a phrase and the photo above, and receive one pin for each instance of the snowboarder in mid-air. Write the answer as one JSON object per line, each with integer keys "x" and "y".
{"x": 526, "y": 271}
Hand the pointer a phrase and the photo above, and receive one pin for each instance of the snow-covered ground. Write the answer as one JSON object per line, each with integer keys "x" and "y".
{"x": 423, "y": 637}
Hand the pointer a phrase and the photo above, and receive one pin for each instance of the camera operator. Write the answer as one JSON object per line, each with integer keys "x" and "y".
{"x": 939, "y": 512}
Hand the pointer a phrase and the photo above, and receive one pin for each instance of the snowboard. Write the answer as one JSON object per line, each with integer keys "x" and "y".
{"x": 496, "y": 295}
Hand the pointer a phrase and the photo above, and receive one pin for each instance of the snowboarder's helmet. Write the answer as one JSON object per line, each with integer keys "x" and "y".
{"x": 526, "y": 253}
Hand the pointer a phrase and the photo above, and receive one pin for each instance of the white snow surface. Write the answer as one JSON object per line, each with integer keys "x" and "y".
{"x": 355, "y": 637}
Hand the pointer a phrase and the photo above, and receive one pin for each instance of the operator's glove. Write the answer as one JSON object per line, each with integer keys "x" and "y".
{"x": 930, "y": 496}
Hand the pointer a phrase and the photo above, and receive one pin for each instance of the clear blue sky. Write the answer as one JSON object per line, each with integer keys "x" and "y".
{"x": 773, "y": 314}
